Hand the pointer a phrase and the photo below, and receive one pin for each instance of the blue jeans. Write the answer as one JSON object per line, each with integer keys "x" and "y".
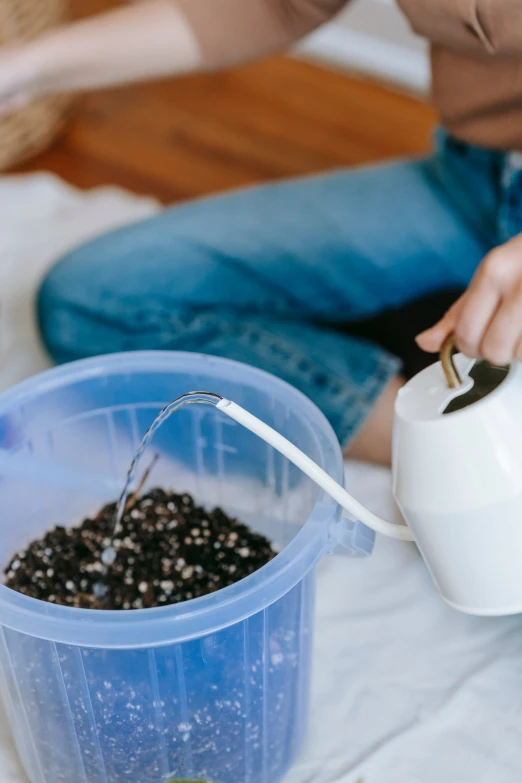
{"x": 269, "y": 275}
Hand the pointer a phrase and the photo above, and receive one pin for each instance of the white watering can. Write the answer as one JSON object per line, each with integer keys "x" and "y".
{"x": 457, "y": 478}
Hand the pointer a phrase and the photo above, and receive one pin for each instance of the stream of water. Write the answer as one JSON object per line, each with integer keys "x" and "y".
{"x": 109, "y": 554}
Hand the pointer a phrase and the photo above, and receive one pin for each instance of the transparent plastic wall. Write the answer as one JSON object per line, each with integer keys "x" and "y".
{"x": 216, "y": 688}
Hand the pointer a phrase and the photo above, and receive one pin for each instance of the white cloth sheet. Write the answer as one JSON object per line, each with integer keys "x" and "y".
{"x": 42, "y": 218}
{"x": 405, "y": 690}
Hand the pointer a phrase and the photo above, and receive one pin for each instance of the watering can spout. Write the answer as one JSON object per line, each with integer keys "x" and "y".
{"x": 313, "y": 471}
{"x": 453, "y": 385}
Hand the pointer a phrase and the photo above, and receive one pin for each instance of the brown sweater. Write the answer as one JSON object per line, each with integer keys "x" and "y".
{"x": 476, "y": 52}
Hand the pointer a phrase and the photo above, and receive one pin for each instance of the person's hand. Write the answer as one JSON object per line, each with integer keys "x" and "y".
{"x": 487, "y": 319}
{"x": 18, "y": 78}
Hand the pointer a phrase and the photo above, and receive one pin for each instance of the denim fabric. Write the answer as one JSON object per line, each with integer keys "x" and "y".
{"x": 267, "y": 275}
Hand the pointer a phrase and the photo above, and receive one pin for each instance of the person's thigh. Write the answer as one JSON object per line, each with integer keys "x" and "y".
{"x": 331, "y": 248}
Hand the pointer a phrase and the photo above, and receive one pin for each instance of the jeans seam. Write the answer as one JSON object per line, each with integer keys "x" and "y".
{"x": 296, "y": 356}
{"x": 357, "y": 405}
{"x": 347, "y": 402}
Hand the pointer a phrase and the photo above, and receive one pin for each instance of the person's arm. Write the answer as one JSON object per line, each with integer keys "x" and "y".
{"x": 154, "y": 38}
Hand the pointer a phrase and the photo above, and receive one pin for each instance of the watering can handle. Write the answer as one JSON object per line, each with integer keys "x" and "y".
{"x": 447, "y": 352}
{"x": 314, "y": 472}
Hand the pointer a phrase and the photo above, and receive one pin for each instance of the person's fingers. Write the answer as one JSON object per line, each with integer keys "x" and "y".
{"x": 487, "y": 319}
{"x": 518, "y": 351}
{"x": 431, "y": 339}
{"x": 478, "y": 310}
{"x": 503, "y": 333}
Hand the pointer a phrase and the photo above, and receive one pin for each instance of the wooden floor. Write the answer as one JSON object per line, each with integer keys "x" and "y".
{"x": 277, "y": 118}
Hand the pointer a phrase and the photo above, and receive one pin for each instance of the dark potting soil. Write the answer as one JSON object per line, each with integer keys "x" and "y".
{"x": 168, "y": 550}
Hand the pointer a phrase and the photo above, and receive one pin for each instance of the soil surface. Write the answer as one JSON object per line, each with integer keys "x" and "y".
{"x": 168, "y": 550}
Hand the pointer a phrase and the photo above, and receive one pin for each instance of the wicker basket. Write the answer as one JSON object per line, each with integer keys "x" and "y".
{"x": 27, "y": 132}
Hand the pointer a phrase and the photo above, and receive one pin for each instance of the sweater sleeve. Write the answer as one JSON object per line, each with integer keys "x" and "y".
{"x": 233, "y": 31}
{"x": 501, "y": 22}
{"x": 469, "y": 26}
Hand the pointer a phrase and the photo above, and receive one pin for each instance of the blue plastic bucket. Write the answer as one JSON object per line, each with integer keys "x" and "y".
{"x": 216, "y": 688}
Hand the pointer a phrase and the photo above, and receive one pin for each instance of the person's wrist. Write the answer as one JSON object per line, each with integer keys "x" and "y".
{"x": 41, "y": 67}
{"x": 20, "y": 74}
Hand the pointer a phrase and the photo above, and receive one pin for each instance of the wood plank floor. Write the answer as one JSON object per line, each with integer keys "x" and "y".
{"x": 277, "y": 118}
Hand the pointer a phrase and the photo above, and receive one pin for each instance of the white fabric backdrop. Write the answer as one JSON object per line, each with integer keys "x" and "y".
{"x": 405, "y": 690}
